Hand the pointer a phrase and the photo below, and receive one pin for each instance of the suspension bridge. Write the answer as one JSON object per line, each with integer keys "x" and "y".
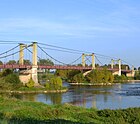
{"x": 85, "y": 62}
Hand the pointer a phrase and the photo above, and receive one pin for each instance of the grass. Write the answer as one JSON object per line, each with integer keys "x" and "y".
{"x": 13, "y": 111}
{"x": 36, "y": 89}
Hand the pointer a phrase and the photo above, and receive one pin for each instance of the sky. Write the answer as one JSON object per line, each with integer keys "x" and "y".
{"x": 108, "y": 27}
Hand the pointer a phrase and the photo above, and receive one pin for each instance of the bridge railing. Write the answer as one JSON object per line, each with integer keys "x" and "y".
{"x": 14, "y": 66}
{"x": 65, "y": 67}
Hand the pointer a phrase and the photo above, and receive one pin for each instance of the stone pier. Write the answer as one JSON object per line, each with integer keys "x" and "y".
{"x": 27, "y": 74}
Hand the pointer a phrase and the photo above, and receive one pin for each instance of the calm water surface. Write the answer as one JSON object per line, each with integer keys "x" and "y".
{"x": 112, "y": 97}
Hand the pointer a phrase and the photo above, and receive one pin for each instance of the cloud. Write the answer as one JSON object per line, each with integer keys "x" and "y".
{"x": 43, "y": 27}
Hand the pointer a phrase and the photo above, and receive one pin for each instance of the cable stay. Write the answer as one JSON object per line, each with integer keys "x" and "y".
{"x": 127, "y": 63}
{"x": 75, "y": 60}
{"x": 64, "y": 48}
{"x": 9, "y": 50}
{"x": 99, "y": 61}
{"x": 61, "y": 50}
{"x": 32, "y": 53}
{"x": 51, "y": 56}
{"x": 11, "y": 53}
{"x": 87, "y": 59}
{"x": 77, "y": 50}
{"x": 13, "y": 42}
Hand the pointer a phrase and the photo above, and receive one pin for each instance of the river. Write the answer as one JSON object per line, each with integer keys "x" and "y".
{"x": 113, "y": 97}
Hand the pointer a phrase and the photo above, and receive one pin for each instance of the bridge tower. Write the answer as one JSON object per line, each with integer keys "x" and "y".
{"x": 119, "y": 63}
{"x": 25, "y": 75}
{"x": 21, "y": 53}
{"x": 93, "y": 59}
{"x": 112, "y": 63}
{"x": 83, "y": 60}
{"x": 34, "y": 74}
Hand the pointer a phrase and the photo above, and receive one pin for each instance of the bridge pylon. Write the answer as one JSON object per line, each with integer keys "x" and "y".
{"x": 93, "y": 59}
{"x": 119, "y": 63}
{"x": 31, "y": 73}
{"x": 21, "y": 53}
{"x": 34, "y": 64}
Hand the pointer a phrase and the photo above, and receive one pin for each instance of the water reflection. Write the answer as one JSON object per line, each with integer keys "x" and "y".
{"x": 113, "y": 97}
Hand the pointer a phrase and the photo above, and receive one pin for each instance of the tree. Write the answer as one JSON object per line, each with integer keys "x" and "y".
{"x": 100, "y": 76}
{"x": 55, "y": 83}
{"x": 25, "y": 61}
{"x": 6, "y": 72}
{"x": 71, "y": 74}
{"x": 62, "y": 73}
{"x": 45, "y": 62}
{"x": 11, "y": 62}
{"x": 137, "y": 75}
{"x": 1, "y": 62}
{"x": 79, "y": 78}
{"x": 121, "y": 78}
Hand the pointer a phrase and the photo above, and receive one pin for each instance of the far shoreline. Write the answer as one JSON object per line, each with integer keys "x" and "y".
{"x": 34, "y": 92}
{"x": 101, "y": 84}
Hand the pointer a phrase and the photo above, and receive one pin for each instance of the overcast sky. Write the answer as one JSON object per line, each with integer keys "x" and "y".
{"x": 108, "y": 27}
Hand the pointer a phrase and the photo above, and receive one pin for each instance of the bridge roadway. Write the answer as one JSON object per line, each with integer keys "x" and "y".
{"x": 61, "y": 67}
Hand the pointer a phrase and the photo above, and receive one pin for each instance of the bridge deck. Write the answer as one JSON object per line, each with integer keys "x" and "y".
{"x": 16, "y": 66}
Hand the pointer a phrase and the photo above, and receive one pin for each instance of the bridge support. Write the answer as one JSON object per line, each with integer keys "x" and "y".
{"x": 83, "y": 60}
{"x": 21, "y": 53}
{"x": 84, "y": 63}
{"x": 119, "y": 72}
{"x": 34, "y": 74}
{"x": 132, "y": 73}
{"x": 93, "y": 61}
{"x": 26, "y": 75}
{"x": 119, "y": 62}
{"x": 112, "y": 63}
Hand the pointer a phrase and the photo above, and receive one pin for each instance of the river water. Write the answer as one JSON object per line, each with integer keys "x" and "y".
{"x": 113, "y": 97}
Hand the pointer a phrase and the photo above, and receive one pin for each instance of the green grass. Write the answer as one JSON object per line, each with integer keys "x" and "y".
{"x": 37, "y": 89}
{"x": 13, "y": 111}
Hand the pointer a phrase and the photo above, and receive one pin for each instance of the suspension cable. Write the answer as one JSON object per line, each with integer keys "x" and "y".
{"x": 32, "y": 53}
{"x": 99, "y": 61}
{"x": 51, "y": 56}
{"x": 62, "y": 50}
{"x": 75, "y": 60}
{"x": 9, "y": 50}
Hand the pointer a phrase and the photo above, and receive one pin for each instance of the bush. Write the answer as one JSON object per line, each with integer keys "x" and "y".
{"x": 30, "y": 83}
{"x": 12, "y": 79}
{"x": 121, "y": 78}
{"x": 6, "y": 72}
{"x": 10, "y": 82}
{"x": 55, "y": 83}
{"x": 137, "y": 75}
{"x": 100, "y": 76}
{"x": 79, "y": 78}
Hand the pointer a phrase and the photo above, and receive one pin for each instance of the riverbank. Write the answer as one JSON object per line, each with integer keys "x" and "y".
{"x": 20, "y": 112}
{"x": 133, "y": 80}
{"x": 34, "y": 92}
{"x": 89, "y": 84}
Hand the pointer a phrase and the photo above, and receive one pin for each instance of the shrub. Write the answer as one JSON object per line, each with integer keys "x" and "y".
{"x": 6, "y": 72}
{"x": 54, "y": 83}
{"x": 79, "y": 78}
{"x": 100, "y": 76}
{"x": 10, "y": 81}
{"x": 30, "y": 83}
{"x": 121, "y": 78}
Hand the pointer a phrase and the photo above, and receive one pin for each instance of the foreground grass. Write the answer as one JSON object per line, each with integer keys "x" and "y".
{"x": 14, "y": 111}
